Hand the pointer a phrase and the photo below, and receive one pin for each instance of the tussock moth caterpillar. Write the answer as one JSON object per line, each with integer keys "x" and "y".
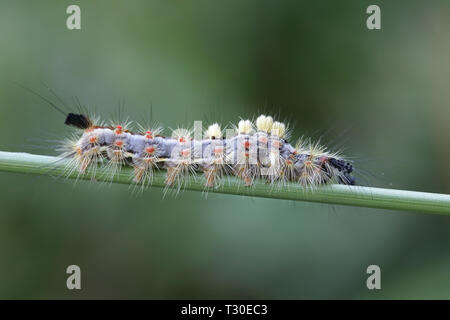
{"x": 249, "y": 150}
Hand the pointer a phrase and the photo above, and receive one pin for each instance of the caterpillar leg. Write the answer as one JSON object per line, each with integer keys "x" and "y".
{"x": 88, "y": 157}
{"x": 143, "y": 171}
{"x": 180, "y": 170}
{"x": 172, "y": 174}
{"x": 245, "y": 172}
{"x": 210, "y": 177}
{"x": 214, "y": 173}
{"x": 178, "y": 176}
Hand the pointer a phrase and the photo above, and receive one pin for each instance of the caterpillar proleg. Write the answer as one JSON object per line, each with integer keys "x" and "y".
{"x": 249, "y": 151}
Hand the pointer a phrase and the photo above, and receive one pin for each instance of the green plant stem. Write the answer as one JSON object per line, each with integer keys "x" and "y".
{"x": 332, "y": 194}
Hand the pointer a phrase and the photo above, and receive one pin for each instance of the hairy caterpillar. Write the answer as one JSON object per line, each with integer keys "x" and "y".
{"x": 249, "y": 151}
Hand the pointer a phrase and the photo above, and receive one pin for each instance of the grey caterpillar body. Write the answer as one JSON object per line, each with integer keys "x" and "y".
{"x": 249, "y": 152}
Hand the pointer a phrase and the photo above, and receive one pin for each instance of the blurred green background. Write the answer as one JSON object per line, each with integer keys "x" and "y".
{"x": 381, "y": 95}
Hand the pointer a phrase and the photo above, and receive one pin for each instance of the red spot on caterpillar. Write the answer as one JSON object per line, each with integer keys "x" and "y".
{"x": 118, "y": 143}
{"x": 246, "y": 154}
{"x": 247, "y": 144}
{"x": 218, "y": 150}
{"x": 119, "y": 130}
{"x": 93, "y": 139}
{"x": 149, "y": 135}
{"x": 186, "y": 152}
{"x": 149, "y": 150}
{"x": 262, "y": 139}
{"x": 182, "y": 139}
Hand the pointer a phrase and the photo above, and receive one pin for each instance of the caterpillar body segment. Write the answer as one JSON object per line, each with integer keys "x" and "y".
{"x": 253, "y": 151}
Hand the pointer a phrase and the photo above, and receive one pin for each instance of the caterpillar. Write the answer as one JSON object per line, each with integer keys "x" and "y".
{"x": 249, "y": 151}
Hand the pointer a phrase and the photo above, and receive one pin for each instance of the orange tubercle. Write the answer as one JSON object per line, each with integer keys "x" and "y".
{"x": 119, "y": 130}
{"x": 218, "y": 150}
{"x": 149, "y": 135}
{"x": 186, "y": 152}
